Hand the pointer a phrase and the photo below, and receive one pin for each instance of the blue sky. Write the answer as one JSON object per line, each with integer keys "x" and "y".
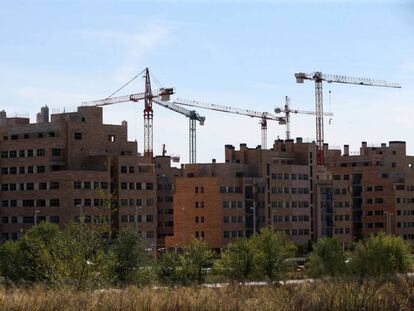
{"x": 240, "y": 53}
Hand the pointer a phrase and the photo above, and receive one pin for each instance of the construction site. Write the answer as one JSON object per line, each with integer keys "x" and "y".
{"x": 71, "y": 166}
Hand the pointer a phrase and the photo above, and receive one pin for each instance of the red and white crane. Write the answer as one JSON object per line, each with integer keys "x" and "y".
{"x": 287, "y": 111}
{"x": 263, "y": 116}
{"x": 319, "y": 77}
{"x": 147, "y": 96}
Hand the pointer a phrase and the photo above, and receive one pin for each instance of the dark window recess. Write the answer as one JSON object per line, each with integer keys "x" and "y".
{"x": 56, "y": 152}
{"x": 111, "y": 138}
{"x": 56, "y": 168}
{"x": 77, "y": 136}
{"x": 41, "y": 169}
{"x": 54, "y": 185}
{"x": 54, "y": 219}
{"x": 54, "y": 202}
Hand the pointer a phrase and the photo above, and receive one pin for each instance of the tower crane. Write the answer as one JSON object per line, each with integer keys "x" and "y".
{"x": 263, "y": 116}
{"x": 287, "y": 111}
{"x": 319, "y": 77}
{"x": 193, "y": 116}
{"x": 147, "y": 96}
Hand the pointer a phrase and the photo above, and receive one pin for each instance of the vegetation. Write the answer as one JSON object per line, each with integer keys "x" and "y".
{"x": 325, "y": 295}
{"x": 381, "y": 256}
{"x": 237, "y": 261}
{"x": 327, "y": 259}
{"x": 85, "y": 257}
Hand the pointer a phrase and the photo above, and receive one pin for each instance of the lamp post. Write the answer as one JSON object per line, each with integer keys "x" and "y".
{"x": 35, "y": 216}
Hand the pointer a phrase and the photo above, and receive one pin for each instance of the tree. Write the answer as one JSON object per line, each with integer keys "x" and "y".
{"x": 271, "y": 251}
{"x": 168, "y": 267}
{"x": 84, "y": 248}
{"x": 327, "y": 258}
{"x": 129, "y": 256}
{"x": 33, "y": 258}
{"x": 196, "y": 259}
{"x": 237, "y": 261}
{"x": 381, "y": 256}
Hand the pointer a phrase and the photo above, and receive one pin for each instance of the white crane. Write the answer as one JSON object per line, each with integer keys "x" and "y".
{"x": 287, "y": 111}
{"x": 263, "y": 116}
{"x": 318, "y": 77}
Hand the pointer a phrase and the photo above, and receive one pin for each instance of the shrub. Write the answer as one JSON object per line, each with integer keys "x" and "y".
{"x": 327, "y": 258}
{"x": 381, "y": 256}
{"x": 271, "y": 251}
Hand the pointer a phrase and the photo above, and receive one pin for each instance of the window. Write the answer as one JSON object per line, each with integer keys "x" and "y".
{"x": 87, "y": 185}
{"x": 77, "y": 136}
{"x": 41, "y": 169}
{"x": 54, "y": 219}
{"x": 40, "y": 203}
{"x": 28, "y": 219}
{"x": 21, "y": 154}
{"x": 54, "y": 185}
{"x": 4, "y": 170}
{"x": 4, "y": 154}
{"x": 28, "y": 203}
{"x": 77, "y": 185}
{"x": 30, "y": 186}
{"x": 56, "y": 152}
{"x": 12, "y": 154}
{"x": 131, "y": 170}
{"x": 124, "y": 169}
{"x": 88, "y": 202}
{"x": 150, "y": 186}
{"x": 42, "y": 186}
{"x": 13, "y": 171}
{"x": 22, "y": 170}
{"x": 111, "y": 138}
{"x": 30, "y": 153}
{"x": 40, "y": 152}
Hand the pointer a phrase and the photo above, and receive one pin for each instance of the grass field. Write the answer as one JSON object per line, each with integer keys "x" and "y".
{"x": 325, "y": 295}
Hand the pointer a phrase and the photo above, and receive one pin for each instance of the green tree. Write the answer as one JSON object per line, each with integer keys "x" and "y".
{"x": 84, "y": 248}
{"x": 129, "y": 257}
{"x": 381, "y": 256}
{"x": 271, "y": 251}
{"x": 168, "y": 266}
{"x": 327, "y": 258}
{"x": 237, "y": 261}
{"x": 194, "y": 262}
{"x": 33, "y": 258}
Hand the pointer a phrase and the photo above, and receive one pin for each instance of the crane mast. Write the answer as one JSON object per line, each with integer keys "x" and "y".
{"x": 193, "y": 117}
{"x": 148, "y": 117}
{"x": 319, "y": 77}
{"x": 287, "y": 111}
{"x": 147, "y": 96}
{"x": 263, "y": 116}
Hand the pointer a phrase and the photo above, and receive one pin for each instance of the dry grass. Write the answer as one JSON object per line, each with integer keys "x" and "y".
{"x": 338, "y": 295}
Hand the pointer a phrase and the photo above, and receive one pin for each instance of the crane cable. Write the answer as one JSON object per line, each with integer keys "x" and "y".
{"x": 136, "y": 76}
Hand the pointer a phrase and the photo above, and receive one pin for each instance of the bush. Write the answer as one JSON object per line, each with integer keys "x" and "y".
{"x": 271, "y": 251}
{"x": 236, "y": 263}
{"x": 381, "y": 256}
{"x": 327, "y": 259}
{"x": 129, "y": 258}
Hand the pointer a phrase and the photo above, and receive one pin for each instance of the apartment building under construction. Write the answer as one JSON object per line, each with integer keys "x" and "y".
{"x": 71, "y": 166}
